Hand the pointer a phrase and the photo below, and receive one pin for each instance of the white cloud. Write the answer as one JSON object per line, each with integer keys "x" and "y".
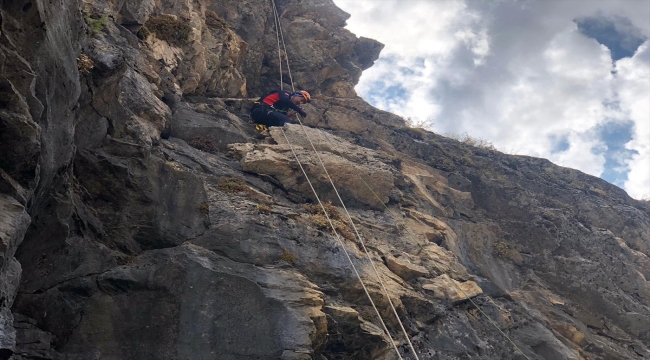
{"x": 634, "y": 92}
{"x": 517, "y": 73}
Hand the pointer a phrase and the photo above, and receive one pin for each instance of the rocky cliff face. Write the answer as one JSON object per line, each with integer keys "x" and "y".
{"x": 140, "y": 217}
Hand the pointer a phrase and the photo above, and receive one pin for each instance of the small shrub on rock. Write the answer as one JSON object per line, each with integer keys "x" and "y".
{"x": 502, "y": 248}
{"x": 96, "y": 25}
{"x": 168, "y": 28}
{"x": 549, "y": 215}
{"x": 143, "y": 33}
{"x": 205, "y": 208}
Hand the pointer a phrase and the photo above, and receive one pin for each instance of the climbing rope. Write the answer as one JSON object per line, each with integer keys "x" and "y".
{"x": 338, "y": 238}
{"x": 281, "y": 39}
{"x": 363, "y": 245}
{"x": 279, "y": 30}
{"x": 413, "y": 237}
{"x": 277, "y": 35}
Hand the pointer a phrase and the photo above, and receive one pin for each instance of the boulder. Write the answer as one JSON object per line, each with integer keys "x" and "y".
{"x": 183, "y": 302}
{"x": 348, "y": 330}
{"x": 305, "y": 136}
{"x": 217, "y": 130}
{"x": 32, "y": 342}
{"x": 456, "y": 292}
{"x": 350, "y": 178}
{"x": 404, "y": 268}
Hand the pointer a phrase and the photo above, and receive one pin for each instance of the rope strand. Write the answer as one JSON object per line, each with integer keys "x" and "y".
{"x": 338, "y": 238}
{"x": 381, "y": 282}
{"x": 286, "y": 56}
{"x": 413, "y": 237}
{"x": 281, "y": 38}
{"x": 279, "y": 28}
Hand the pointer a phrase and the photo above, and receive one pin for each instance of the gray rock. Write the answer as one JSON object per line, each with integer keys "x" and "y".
{"x": 13, "y": 225}
{"x": 220, "y": 129}
{"x": 404, "y": 268}
{"x": 137, "y": 249}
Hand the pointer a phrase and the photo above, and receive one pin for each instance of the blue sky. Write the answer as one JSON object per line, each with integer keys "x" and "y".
{"x": 564, "y": 80}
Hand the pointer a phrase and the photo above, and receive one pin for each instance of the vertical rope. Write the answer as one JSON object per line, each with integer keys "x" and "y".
{"x": 279, "y": 31}
{"x": 413, "y": 237}
{"x": 277, "y": 16}
{"x": 363, "y": 245}
{"x": 338, "y": 238}
{"x": 277, "y": 35}
{"x": 381, "y": 282}
{"x": 279, "y": 27}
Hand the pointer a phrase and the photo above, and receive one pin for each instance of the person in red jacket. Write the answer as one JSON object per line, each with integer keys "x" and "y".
{"x": 272, "y": 109}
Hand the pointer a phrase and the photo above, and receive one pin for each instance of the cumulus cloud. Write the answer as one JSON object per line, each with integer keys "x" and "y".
{"x": 526, "y": 75}
{"x": 633, "y": 86}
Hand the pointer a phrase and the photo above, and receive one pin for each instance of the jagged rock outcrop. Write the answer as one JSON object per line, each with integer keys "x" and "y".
{"x": 141, "y": 216}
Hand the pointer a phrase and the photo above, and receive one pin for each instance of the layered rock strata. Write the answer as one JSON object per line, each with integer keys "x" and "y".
{"x": 141, "y": 217}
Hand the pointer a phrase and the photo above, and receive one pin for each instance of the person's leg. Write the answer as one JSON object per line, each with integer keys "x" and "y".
{"x": 269, "y": 117}
{"x": 275, "y": 118}
{"x": 258, "y": 114}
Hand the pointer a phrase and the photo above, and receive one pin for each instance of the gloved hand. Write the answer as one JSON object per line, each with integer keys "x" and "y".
{"x": 303, "y": 114}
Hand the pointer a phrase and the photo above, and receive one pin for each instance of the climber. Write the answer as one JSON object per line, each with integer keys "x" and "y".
{"x": 272, "y": 109}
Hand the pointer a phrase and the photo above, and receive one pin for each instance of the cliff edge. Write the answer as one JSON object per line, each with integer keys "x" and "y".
{"x": 141, "y": 217}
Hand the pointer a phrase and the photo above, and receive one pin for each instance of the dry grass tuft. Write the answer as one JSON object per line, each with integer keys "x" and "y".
{"x": 417, "y": 133}
{"x": 332, "y": 211}
{"x": 214, "y": 21}
{"x": 85, "y": 64}
{"x": 263, "y": 209}
{"x": 473, "y": 141}
{"x": 204, "y": 144}
{"x": 288, "y": 257}
{"x": 233, "y": 185}
{"x": 318, "y": 218}
{"x": 598, "y": 191}
{"x": 168, "y": 28}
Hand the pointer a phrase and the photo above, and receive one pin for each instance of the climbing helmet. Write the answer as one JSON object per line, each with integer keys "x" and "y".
{"x": 303, "y": 94}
